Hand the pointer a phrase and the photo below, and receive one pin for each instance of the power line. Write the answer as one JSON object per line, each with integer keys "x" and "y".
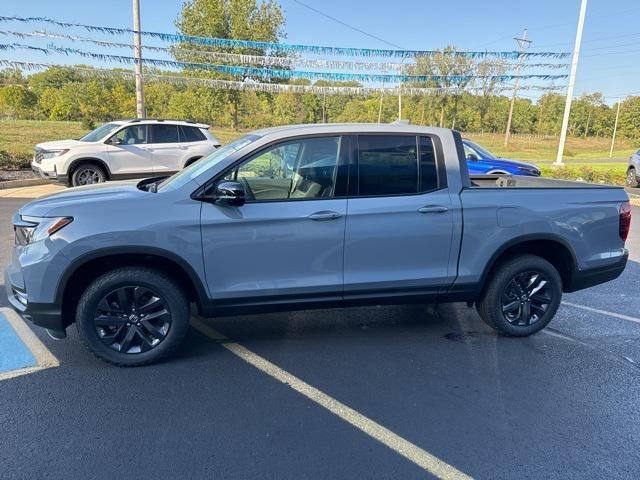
{"x": 345, "y": 24}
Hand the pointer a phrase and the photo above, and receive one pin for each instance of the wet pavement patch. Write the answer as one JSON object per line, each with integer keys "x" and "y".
{"x": 14, "y": 354}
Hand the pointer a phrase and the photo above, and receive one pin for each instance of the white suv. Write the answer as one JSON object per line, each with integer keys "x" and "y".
{"x": 124, "y": 149}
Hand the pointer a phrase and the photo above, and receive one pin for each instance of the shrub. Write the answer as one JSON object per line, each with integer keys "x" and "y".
{"x": 88, "y": 123}
{"x": 14, "y": 161}
{"x": 586, "y": 173}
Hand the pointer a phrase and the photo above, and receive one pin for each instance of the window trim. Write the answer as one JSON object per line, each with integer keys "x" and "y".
{"x": 182, "y": 129}
{"x": 348, "y": 159}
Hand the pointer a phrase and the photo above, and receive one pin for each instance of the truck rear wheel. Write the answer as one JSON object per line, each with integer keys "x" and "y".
{"x": 132, "y": 316}
{"x": 522, "y": 296}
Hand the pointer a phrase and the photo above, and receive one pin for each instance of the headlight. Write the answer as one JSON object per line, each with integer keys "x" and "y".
{"x": 33, "y": 229}
{"x": 53, "y": 153}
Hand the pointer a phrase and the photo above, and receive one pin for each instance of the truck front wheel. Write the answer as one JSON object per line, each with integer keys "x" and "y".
{"x": 132, "y": 316}
{"x": 522, "y": 296}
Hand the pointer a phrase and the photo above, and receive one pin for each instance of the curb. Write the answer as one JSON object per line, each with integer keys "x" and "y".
{"x": 22, "y": 183}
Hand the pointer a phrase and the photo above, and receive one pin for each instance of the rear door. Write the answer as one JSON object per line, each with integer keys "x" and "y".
{"x": 131, "y": 156}
{"x": 286, "y": 242}
{"x": 167, "y": 150}
{"x": 399, "y": 222}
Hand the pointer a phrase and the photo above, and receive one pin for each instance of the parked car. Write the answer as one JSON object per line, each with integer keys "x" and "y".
{"x": 304, "y": 217}
{"x": 482, "y": 161}
{"x": 633, "y": 171}
{"x": 124, "y": 149}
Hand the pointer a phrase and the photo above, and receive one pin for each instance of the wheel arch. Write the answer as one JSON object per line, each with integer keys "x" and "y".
{"x": 90, "y": 266}
{"x": 191, "y": 160}
{"x": 94, "y": 160}
{"x": 552, "y": 248}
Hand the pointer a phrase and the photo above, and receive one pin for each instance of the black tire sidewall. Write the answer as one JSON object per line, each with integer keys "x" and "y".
{"x": 138, "y": 276}
{"x": 84, "y": 166}
{"x": 634, "y": 182}
{"x": 490, "y": 307}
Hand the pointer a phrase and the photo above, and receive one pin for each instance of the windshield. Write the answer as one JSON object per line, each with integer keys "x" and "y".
{"x": 100, "y": 132}
{"x": 201, "y": 166}
{"x": 482, "y": 151}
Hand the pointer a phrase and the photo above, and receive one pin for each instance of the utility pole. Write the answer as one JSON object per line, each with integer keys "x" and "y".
{"x": 399, "y": 103}
{"x": 523, "y": 44}
{"x": 137, "y": 53}
{"x": 572, "y": 83}
{"x": 615, "y": 128}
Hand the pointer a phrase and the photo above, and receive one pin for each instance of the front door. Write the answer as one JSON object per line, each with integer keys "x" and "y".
{"x": 399, "y": 222}
{"x": 287, "y": 241}
{"x": 130, "y": 156}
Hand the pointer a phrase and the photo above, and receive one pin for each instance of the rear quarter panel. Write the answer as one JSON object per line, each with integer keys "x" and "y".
{"x": 585, "y": 219}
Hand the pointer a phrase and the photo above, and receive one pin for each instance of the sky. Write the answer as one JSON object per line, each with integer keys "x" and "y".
{"x": 609, "y": 60}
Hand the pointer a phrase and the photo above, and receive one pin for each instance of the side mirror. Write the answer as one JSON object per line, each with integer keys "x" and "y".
{"x": 230, "y": 193}
{"x": 114, "y": 141}
{"x": 473, "y": 157}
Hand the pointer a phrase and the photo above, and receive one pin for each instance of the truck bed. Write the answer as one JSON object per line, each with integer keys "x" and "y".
{"x": 517, "y": 181}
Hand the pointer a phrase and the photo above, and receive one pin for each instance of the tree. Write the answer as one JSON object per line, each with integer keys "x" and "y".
{"x": 488, "y": 70}
{"x": 232, "y": 19}
{"x": 16, "y": 101}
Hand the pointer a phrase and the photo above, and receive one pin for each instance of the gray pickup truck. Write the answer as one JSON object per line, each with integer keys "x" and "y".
{"x": 309, "y": 216}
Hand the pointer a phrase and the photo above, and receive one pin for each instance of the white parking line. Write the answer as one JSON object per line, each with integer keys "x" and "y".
{"x": 603, "y": 312}
{"x": 44, "y": 358}
{"x": 411, "y": 452}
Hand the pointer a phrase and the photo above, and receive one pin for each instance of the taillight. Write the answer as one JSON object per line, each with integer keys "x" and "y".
{"x": 625, "y": 220}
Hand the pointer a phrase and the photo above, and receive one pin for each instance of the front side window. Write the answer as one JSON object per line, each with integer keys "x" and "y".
{"x": 387, "y": 165}
{"x": 133, "y": 135}
{"x": 299, "y": 169}
{"x": 100, "y": 132}
{"x": 164, "y": 133}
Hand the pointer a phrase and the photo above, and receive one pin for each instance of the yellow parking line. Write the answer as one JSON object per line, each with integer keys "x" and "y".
{"x": 44, "y": 358}
{"x": 604, "y": 312}
{"x": 411, "y": 452}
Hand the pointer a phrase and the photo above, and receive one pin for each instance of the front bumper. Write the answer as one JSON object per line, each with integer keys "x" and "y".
{"x": 50, "y": 176}
{"x": 45, "y": 315}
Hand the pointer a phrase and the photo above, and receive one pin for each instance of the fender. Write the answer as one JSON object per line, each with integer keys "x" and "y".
{"x": 201, "y": 292}
{"x": 77, "y": 161}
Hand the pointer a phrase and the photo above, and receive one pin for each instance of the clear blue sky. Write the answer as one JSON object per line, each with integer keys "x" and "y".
{"x": 609, "y": 62}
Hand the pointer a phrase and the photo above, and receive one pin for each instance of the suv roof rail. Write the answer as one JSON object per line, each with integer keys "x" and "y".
{"x": 134, "y": 120}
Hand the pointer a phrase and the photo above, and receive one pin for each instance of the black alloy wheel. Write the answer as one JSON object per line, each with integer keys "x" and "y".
{"x": 132, "y": 319}
{"x": 526, "y": 298}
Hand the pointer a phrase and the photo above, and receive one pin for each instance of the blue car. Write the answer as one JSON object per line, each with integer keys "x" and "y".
{"x": 482, "y": 162}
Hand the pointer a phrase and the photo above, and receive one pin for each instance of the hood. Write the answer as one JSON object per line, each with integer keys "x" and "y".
{"x": 60, "y": 144}
{"x": 514, "y": 163}
{"x": 65, "y": 202}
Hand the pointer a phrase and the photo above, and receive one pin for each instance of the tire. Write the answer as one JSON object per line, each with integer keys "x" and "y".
{"x": 120, "y": 316}
{"x": 632, "y": 178}
{"x": 503, "y": 305}
{"x": 88, "y": 174}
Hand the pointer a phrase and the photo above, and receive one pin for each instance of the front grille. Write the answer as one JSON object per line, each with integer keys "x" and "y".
{"x": 37, "y": 157}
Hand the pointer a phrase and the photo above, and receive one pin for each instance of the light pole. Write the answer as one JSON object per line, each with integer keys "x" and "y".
{"x": 572, "y": 83}
{"x": 137, "y": 53}
{"x": 523, "y": 44}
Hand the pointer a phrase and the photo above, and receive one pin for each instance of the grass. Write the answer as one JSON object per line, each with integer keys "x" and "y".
{"x": 18, "y": 137}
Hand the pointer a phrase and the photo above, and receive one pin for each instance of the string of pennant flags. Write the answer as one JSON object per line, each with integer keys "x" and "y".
{"x": 269, "y": 61}
{"x": 265, "y": 73}
{"x": 289, "y": 48}
{"x": 87, "y": 72}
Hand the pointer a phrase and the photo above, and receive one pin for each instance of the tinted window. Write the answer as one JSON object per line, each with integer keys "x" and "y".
{"x": 191, "y": 134}
{"x": 387, "y": 164}
{"x": 165, "y": 134}
{"x": 300, "y": 169}
{"x": 428, "y": 168}
{"x": 133, "y": 135}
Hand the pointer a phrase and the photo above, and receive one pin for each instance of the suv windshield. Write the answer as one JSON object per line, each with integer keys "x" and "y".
{"x": 201, "y": 166}
{"x": 483, "y": 151}
{"x": 100, "y": 132}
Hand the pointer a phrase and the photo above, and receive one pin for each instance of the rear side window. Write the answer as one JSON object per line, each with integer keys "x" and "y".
{"x": 387, "y": 165}
{"x": 428, "y": 167}
{"x": 191, "y": 134}
{"x": 164, "y": 133}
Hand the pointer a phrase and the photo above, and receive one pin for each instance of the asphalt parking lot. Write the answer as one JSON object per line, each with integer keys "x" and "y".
{"x": 377, "y": 392}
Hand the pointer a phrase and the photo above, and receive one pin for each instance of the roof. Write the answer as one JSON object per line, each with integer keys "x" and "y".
{"x": 162, "y": 121}
{"x": 320, "y": 128}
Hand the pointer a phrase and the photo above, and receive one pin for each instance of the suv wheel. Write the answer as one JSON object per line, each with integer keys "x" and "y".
{"x": 88, "y": 174}
{"x": 522, "y": 296}
{"x": 132, "y": 316}
{"x": 632, "y": 179}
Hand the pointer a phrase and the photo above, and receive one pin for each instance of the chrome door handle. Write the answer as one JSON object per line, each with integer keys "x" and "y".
{"x": 433, "y": 209}
{"x": 318, "y": 216}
